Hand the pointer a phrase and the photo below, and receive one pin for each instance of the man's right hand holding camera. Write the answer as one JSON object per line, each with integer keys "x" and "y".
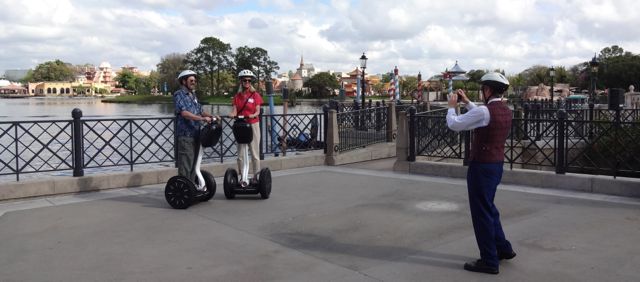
{"x": 457, "y": 96}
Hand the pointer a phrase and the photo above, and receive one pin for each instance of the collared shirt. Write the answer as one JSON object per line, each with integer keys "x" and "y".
{"x": 186, "y": 101}
{"x": 477, "y": 116}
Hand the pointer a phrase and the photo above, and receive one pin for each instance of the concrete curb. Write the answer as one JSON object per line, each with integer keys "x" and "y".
{"x": 68, "y": 184}
{"x": 372, "y": 152}
{"x": 626, "y": 187}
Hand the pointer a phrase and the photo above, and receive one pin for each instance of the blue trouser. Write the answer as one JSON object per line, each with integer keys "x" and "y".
{"x": 482, "y": 182}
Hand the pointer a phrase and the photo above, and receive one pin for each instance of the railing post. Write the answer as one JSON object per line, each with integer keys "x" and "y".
{"x": 616, "y": 132}
{"x": 412, "y": 134}
{"x": 175, "y": 142}
{"x": 591, "y": 106}
{"x": 333, "y": 140}
{"x": 325, "y": 117}
{"x": 261, "y": 139}
{"x": 401, "y": 141}
{"x": 78, "y": 147}
{"x": 518, "y": 120}
{"x": 358, "y": 122}
{"x": 538, "y": 112}
{"x": 560, "y": 152}
{"x": 378, "y": 116}
{"x": 392, "y": 125}
{"x": 527, "y": 115}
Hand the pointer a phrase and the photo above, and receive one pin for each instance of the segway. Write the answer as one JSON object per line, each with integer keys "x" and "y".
{"x": 234, "y": 186}
{"x": 180, "y": 192}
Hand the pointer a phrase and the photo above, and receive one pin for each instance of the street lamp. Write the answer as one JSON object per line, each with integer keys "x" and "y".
{"x": 363, "y": 65}
{"x": 552, "y": 73}
{"x": 594, "y": 73}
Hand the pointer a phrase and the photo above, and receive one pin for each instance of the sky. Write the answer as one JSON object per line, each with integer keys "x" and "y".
{"x": 416, "y": 36}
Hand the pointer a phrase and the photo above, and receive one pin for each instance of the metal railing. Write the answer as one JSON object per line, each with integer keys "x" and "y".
{"x": 28, "y": 147}
{"x": 359, "y": 128}
{"x": 293, "y": 132}
{"x": 35, "y": 146}
{"x": 572, "y": 142}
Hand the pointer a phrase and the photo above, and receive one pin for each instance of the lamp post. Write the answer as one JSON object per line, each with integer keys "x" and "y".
{"x": 363, "y": 65}
{"x": 552, "y": 73}
{"x": 594, "y": 73}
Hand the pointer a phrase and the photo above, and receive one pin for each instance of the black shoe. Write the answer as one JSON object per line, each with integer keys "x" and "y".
{"x": 480, "y": 266}
{"x": 507, "y": 255}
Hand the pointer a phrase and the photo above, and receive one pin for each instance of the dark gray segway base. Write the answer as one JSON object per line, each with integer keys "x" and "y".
{"x": 232, "y": 186}
{"x": 181, "y": 193}
{"x": 264, "y": 183}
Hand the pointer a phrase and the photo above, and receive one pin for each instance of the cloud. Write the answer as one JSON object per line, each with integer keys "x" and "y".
{"x": 425, "y": 36}
{"x": 257, "y": 23}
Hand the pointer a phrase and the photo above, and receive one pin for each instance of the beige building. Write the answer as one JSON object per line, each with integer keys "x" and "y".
{"x": 91, "y": 81}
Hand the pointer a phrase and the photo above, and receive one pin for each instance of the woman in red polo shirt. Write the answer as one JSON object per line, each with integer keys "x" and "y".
{"x": 247, "y": 103}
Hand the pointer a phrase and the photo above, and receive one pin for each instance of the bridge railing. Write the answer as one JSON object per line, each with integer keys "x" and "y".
{"x": 573, "y": 141}
{"x": 30, "y": 147}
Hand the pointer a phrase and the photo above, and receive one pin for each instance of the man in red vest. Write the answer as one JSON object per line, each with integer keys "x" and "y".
{"x": 491, "y": 123}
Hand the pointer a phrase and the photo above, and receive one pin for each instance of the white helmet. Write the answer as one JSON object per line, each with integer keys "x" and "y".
{"x": 496, "y": 81}
{"x": 186, "y": 73}
{"x": 246, "y": 73}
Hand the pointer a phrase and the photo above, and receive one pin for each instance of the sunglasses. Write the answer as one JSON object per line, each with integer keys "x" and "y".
{"x": 191, "y": 80}
{"x": 245, "y": 80}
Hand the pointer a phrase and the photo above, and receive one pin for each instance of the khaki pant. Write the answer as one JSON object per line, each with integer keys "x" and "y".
{"x": 187, "y": 152}
{"x": 254, "y": 151}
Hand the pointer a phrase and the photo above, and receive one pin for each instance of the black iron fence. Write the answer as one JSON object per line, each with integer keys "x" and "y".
{"x": 359, "y": 128}
{"x": 293, "y": 132}
{"x": 572, "y": 141}
{"x": 35, "y": 146}
{"x": 61, "y": 145}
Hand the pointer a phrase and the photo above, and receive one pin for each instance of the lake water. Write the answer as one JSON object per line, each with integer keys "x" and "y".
{"x": 50, "y": 108}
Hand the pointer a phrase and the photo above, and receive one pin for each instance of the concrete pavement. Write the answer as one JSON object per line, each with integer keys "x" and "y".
{"x": 322, "y": 223}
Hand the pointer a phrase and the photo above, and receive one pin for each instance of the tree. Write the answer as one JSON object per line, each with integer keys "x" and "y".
{"x": 209, "y": 59}
{"x": 536, "y": 75}
{"x": 127, "y": 80}
{"x": 619, "y": 71}
{"x": 168, "y": 69}
{"x": 145, "y": 84}
{"x": 322, "y": 84}
{"x": 516, "y": 83}
{"x": 52, "y": 71}
{"x": 256, "y": 60}
{"x": 408, "y": 84}
{"x": 610, "y": 52}
{"x": 386, "y": 77}
{"x": 378, "y": 88}
{"x": 475, "y": 75}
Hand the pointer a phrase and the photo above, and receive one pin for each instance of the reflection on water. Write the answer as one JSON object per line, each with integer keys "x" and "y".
{"x": 46, "y": 108}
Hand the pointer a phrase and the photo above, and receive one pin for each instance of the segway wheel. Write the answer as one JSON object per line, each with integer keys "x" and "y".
{"x": 210, "y": 184}
{"x": 179, "y": 192}
{"x": 264, "y": 183}
{"x": 230, "y": 183}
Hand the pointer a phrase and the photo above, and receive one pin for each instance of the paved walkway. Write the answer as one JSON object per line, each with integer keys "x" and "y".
{"x": 321, "y": 224}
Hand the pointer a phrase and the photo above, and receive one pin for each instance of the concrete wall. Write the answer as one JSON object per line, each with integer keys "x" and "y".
{"x": 626, "y": 187}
